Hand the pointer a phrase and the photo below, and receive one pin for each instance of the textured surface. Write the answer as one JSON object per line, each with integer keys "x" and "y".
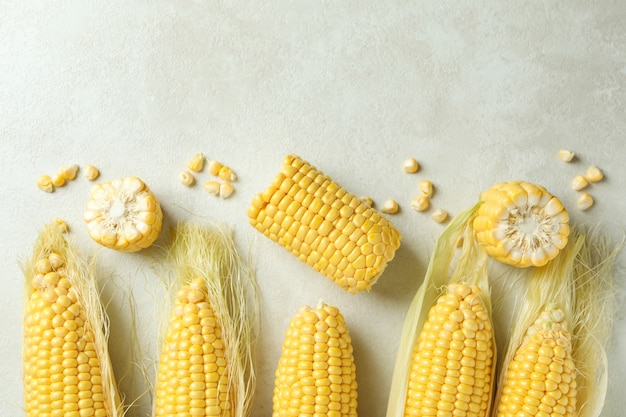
{"x": 477, "y": 93}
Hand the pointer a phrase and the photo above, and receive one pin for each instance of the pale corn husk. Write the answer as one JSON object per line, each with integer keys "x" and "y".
{"x": 83, "y": 280}
{"x": 209, "y": 252}
{"x": 470, "y": 267}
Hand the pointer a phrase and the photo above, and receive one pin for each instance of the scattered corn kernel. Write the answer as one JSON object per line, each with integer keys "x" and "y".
{"x": 186, "y": 178}
{"x": 226, "y": 173}
{"x": 214, "y": 167}
{"x": 579, "y": 182}
{"x": 594, "y": 174}
{"x": 390, "y": 207}
{"x": 58, "y": 180}
{"x": 367, "y": 200}
{"x": 440, "y": 215}
{"x": 62, "y": 225}
{"x": 420, "y": 203}
{"x": 226, "y": 190}
{"x": 196, "y": 162}
{"x": 213, "y": 187}
{"x": 90, "y": 172}
{"x": 584, "y": 201}
{"x": 44, "y": 182}
{"x": 426, "y": 187}
{"x": 566, "y": 155}
{"x": 411, "y": 166}
{"x": 69, "y": 171}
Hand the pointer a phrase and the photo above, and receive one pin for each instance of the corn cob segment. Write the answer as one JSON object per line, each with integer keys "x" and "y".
{"x": 123, "y": 215}
{"x": 325, "y": 226}
{"x": 521, "y": 224}
{"x": 451, "y": 368}
{"x": 66, "y": 365}
{"x": 316, "y": 374}
{"x": 541, "y": 378}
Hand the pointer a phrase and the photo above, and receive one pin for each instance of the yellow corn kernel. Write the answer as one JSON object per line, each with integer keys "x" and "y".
{"x": 69, "y": 171}
{"x": 287, "y": 209}
{"x": 521, "y": 224}
{"x": 62, "y": 225}
{"x": 426, "y": 188}
{"x": 90, "y": 172}
{"x": 452, "y": 361}
{"x": 367, "y": 200}
{"x": 226, "y": 173}
{"x": 585, "y": 201}
{"x": 390, "y": 207}
{"x": 579, "y": 182}
{"x": 213, "y": 187}
{"x": 123, "y": 215}
{"x": 316, "y": 371}
{"x": 186, "y": 178}
{"x": 440, "y": 215}
{"x": 44, "y": 183}
{"x": 566, "y": 155}
{"x": 58, "y": 180}
{"x": 594, "y": 174}
{"x": 543, "y": 358}
{"x": 411, "y": 166}
{"x": 196, "y": 163}
{"x": 214, "y": 167}
{"x": 226, "y": 190}
{"x": 420, "y": 203}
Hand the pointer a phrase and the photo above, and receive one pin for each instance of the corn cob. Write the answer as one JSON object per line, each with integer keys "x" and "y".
{"x": 316, "y": 374}
{"x": 123, "y": 215}
{"x": 67, "y": 371}
{"x": 325, "y": 226}
{"x": 205, "y": 367}
{"x": 521, "y": 224}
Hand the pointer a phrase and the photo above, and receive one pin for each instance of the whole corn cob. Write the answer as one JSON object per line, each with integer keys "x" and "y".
{"x": 67, "y": 371}
{"x": 316, "y": 374}
{"x": 325, "y": 226}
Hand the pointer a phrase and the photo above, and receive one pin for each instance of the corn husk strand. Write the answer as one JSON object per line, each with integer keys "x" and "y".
{"x": 205, "y": 258}
{"x": 53, "y": 245}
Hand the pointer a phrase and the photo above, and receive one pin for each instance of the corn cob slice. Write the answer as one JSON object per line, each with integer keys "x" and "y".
{"x": 67, "y": 371}
{"x": 325, "y": 226}
{"x": 316, "y": 374}
{"x": 123, "y": 215}
{"x": 541, "y": 378}
{"x": 205, "y": 367}
{"x": 521, "y": 224}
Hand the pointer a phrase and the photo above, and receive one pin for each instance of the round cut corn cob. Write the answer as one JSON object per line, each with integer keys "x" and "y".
{"x": 521, "y": 224}
{"x": 123, "y": 215}
{"x": 316, "y": 374}
{"x": 541, "y": 378}
{"x": 452, "y": 362}
{"x": 325, "y": 226}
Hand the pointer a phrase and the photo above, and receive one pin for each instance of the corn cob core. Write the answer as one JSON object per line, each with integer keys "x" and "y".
{"x": 123, "y": 215}
{"x": 541, "y": 377}
{"x": 192, "y": 377}
{"x": 325, "y": 226}
{"x": 451, "y": 366}
{"x": 62, "y": 374}
{"x": 316, "y": 374}
{"x": 521, "y": 224}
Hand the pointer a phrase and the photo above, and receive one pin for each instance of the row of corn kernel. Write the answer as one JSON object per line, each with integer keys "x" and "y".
{"x": 49, "y": 183}
{"x": 225, "y": 173}
{"x": 580, "y": 182}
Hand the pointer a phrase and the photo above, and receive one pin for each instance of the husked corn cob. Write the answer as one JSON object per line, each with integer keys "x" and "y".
{"x": 541, "y": 378}
{"x": 66, "y": 365}
{"x": 316, "y": 374}
{"x": 451, "y": 366}
{"x": 521, "y": 224}
{"x": 325, "y": 226}
{"x": 123, "y": 215}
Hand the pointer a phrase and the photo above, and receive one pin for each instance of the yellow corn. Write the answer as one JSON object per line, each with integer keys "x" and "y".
{"x": 192, "y": 376}
{"x": 521, "y": 224}
{"x": 541, "y": 378}
{"x": 451, "y": 367}
{"x": 325, "y": 226}
{"x": 123, "y": 215}
{"x": 66, "y": 366}
{"x": 316, "y": 374}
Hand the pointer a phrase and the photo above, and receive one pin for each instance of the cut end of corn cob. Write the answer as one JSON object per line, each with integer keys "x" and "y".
{"x": 541, "y": 378}
{"x": 521, "y": 224}
{"x": 123, "y": 215}
{"x": 316, "y": 374}
{"x": 325, "y": 226}
{"x": 452, "y": 364}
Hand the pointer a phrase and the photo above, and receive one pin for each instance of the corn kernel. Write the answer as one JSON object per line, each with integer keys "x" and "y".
{"x": 566, "y": 155}
{"x": 420, "y": 203}
{"x": 69, "y": 171}
{"x": 44, "y": 182}
{"x": 226, "y": 190}
{"x": 90, "y": 172}
{"x": 226, "y": 173}
{"x": 440, "y": 215}
{"x": 585, "y": 201}
{"x": 213, "y": 187}
{"x": 410, "y": 166}
{"x": 58, "y": 180}
{"x": 579, "y": 182}
{"x": 390, "y": 207}
{"x": 186, "y": 178}
{"x": 426, "y": 188}
{"x": 196, "y": 163}
{"x": 214, "y": 167}
{"x": 594, "y": 174}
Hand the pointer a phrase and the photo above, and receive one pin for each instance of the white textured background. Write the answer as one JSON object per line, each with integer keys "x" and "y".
{"x": 478, "y": 93}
